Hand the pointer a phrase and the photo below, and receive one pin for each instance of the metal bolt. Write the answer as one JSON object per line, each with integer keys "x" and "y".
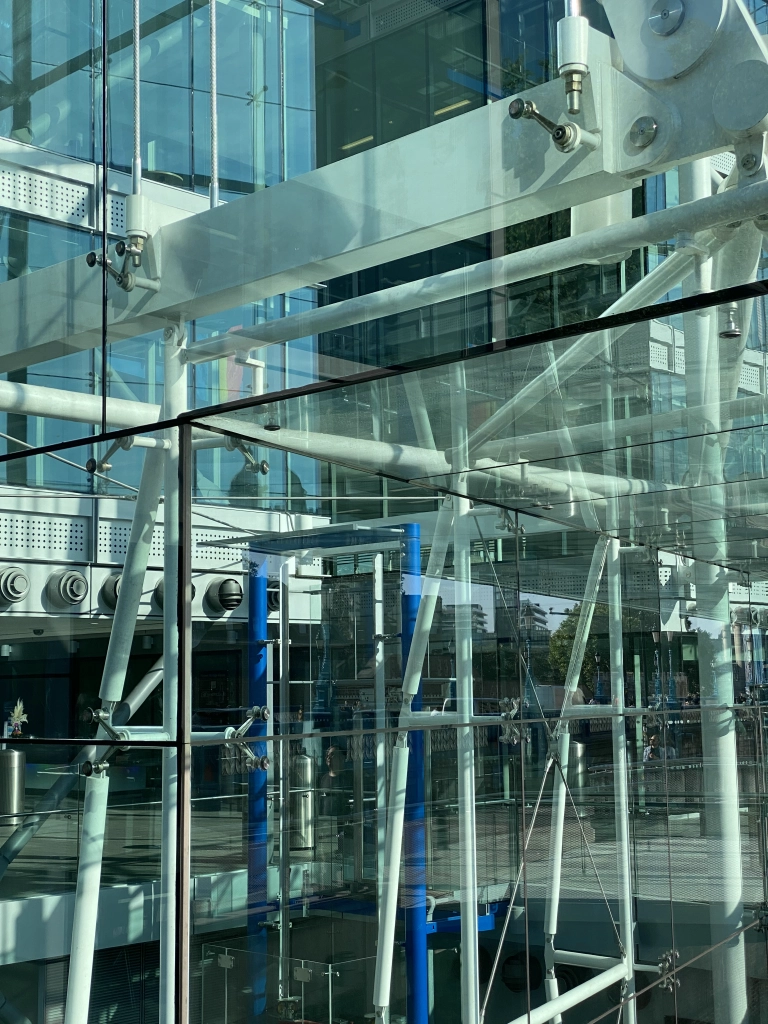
{"x": 643, "y": 132}
{"x": 666, "y": 17}
{"x": 748, "y": 162}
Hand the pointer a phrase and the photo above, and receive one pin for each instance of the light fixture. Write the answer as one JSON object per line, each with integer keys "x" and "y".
{"x": 452, "y": 106}
{"x": 356, "y": 143}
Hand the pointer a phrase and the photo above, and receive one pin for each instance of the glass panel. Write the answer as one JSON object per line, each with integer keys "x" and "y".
{"x": 94, "y": 839}
{"x": 74, "y": 526}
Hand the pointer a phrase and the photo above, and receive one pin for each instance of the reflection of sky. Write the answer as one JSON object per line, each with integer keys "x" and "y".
{"x": 483, "y": 595}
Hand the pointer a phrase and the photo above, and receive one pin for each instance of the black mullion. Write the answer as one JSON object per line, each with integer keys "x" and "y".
{"x": 184, "y": 729}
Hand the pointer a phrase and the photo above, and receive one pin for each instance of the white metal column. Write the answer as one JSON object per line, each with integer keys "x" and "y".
{"x": 175, "y": 403}
{"x": 87, "y": 897}
{"x": 465, "y": 734}
{"x": 380, "y": 703}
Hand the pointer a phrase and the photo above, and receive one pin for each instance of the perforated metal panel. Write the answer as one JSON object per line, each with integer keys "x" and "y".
{"x": 51, "y": 196}
{"x": 659, "y": 356}
{"x": 116, "y": 215}
{"x": 115, "y": 534}
{"x": 750, "y": 378}
{"x": 397, "y": 15}
{"x": 60, "y": 538}
{"x": 42, "y": 196}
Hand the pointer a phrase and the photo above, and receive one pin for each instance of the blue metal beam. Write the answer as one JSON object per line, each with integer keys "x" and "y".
{"x": 416, "y": 958}
{"x": 257, "y": 785}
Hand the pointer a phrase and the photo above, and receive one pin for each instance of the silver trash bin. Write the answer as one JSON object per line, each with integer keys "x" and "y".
{"x": 12, "y": 771}
{"x": 302, "y": 802}
{"x": 578, "y": 778}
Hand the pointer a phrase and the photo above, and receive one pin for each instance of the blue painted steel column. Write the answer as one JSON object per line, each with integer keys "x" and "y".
{"x": 257, "y": 784}
{"x": 415, "y": 851}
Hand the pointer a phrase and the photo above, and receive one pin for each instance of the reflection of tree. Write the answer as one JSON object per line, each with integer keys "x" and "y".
{"x": 517, "y": 75}
{"x": 561, "y": 641}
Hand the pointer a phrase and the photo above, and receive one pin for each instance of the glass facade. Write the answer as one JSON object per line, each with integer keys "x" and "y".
{"x": 383, "y": 512}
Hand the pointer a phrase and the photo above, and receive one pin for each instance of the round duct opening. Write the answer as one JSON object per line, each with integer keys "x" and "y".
{"x": 67, "y": 587}
{"x": 110, "y": 590}
{"x": 14, "y": 585}
{"x": 160, "y": 592}
{"x": 224, "y": 594}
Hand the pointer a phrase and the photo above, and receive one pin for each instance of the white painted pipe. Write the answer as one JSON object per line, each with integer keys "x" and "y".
{"x": 174, "y": 404}
{"x": 705, "y": 384}
{"x": 411, "y": 463}
{"x": 136, "y": 167}
{"x": 31, "y": 400}
{"x": 579, "y": 994}
{"x": 393, "y": 844}
{"x": 132, "y": 577}
{"x": 284, "y": 781}
{"x": 430, "y": 592}
{"x": 559, "y": 792}
{"x": 618, "y": 720}
{"x": 380, "y": 703}
{"x": 547, "y": 444}
{"x": 465, "y": 735}
{"x": 591, "y": 960}
{"x": 87, "y": 898}
{"x": 391, "y": 881}
{"x": 589, "y": 347}
{"x": 689, "y": 219}
{"x": 418, "y": 410}
{"x": 214, "y": 105}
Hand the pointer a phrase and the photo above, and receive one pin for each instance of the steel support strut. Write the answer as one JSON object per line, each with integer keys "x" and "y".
{"x": 87, "y": 896}
{"x": 563, "y": 739}
{"x": 415, "y": 852}
{"x": 393, "y": 844}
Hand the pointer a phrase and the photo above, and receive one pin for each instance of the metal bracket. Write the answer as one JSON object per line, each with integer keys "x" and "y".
{"x": 237, "y": 744}
{"x": 101, "y": 716}
{"x": 761, "y": 916}
{"x": 567, "y": 137}
{"x": 667, "y": 962}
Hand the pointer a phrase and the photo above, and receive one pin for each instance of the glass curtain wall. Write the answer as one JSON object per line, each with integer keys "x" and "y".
{"x": 383, "y": 599}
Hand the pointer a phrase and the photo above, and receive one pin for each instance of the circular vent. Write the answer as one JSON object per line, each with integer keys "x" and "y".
{"x": 160, "y": 592}
{"x": 14, "y": 585}
{"x": 224, "y": 594}
{"x": 110, "y": 590}
{"x": 67, "y": 587}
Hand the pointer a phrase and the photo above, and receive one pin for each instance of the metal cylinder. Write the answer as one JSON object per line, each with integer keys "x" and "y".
{"x": 578, "y": 778}
{"x": 302, "y": 802}
{"x": 12, "y": 770}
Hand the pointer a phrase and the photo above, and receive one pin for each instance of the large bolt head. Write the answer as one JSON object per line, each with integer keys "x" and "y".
{"x": 666, "y": 17}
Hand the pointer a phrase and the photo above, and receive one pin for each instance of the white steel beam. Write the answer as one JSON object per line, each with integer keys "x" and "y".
{"x": 174, "y": 404}
{"x": 473, "y": 174}
{"x": 87, "y": 897}
{"x": 579, "y": 994}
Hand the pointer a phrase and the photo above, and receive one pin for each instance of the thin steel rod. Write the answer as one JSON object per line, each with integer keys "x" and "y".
{"x": 214, "y": 87}
{"x": 508, "y": 917}
{"x": 285, "y": 780}
{"x": 136, "y": 166}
